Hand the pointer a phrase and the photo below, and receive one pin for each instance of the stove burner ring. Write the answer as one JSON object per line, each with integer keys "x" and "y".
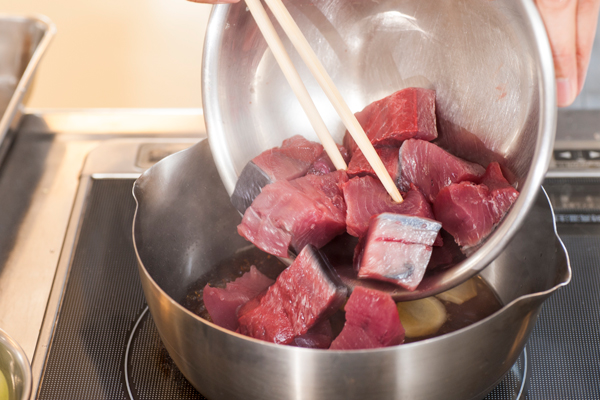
{"x": 148, "y": 370}
{"x": 159, "y": 371}
{"x": 128, "y": 352}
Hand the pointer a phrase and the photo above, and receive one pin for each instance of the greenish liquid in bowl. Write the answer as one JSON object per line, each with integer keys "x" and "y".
{"x": 3, "y": 387}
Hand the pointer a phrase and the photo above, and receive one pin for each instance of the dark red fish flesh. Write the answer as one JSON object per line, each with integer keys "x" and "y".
{"x": 290, "y": 161}
{"x": 222, "y": 304}
{"x": 292, "y": 214}
{"x": 323, "y": 164}
{"x": 405, "y": 114}
{"x": 366, "y": 196}
{"x": 359, "y": 166}
{"x": 372, "y": 321}
{"x": 469, "y": 212}
{"x": 319, "y": 336}
{"x": 431, "y": 168}
{"x": 304, "y": 294}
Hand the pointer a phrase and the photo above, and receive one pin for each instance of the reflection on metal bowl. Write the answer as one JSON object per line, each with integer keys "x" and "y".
{"x": 488, "y": 61}
{"x": 15, "y": 368}
{"x": 185, "y": 226}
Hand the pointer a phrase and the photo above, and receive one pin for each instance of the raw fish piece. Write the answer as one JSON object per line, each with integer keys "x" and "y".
{"x": 397, "y": 249}
{"x": 323, "y": 165}
{"x": 371, "y": 322}
{"x": 250, "y": 305}
{"x": 305, "y": 293}
{"x": 329, "y": 185}
{"x": 407, "y": 113}
{"x": 493, "y": 177}
{"x": 431, "y": 168}
{"x": 317, "y": 337}
{"x": 470, "y": 212}
{"x": 248, "y": 186}
{"x": 290, "y": 161}
{"x": 463, "y": 210}
{"x": 447, "y": 255}
{"x": 222, "y": 304}
{"x": 366, "y": 196}
{"x": 502, "y": 194}
{"x": 359, "y": 166}
{"x": 308, "y": 210}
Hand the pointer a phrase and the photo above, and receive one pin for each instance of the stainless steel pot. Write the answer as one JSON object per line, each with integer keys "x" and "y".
{"x": 489, "y": 62}
{"x": 185, "y": 226}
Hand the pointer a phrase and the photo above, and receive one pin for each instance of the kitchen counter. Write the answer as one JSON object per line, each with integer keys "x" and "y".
{"x": 38, "y": 183}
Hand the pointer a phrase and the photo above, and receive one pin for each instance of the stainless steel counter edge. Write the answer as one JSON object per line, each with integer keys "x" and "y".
{"x": 29, "y": 269}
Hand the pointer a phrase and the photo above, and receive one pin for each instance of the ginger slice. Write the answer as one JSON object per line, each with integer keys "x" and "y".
{"x": 422, "y": 317}
{"x": 461, "y": 293}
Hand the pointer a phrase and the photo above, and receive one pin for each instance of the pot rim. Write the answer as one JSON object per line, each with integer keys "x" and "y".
{"x": 505, "y": 308}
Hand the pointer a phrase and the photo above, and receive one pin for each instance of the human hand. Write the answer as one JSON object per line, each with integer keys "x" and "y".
{"x": 571, "y": 28}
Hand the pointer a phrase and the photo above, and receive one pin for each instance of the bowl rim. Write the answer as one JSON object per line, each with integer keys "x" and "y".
{"x": 22, "y": 361}
{"x": 485, "y": 253}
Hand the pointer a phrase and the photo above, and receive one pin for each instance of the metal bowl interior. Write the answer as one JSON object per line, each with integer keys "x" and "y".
{"x": 185, "y": 228}
{"x": 15, "y": 368}
{"x": 489, "y": 62}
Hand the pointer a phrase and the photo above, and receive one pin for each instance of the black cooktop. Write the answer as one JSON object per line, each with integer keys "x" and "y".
{"x": 106, "y": 346}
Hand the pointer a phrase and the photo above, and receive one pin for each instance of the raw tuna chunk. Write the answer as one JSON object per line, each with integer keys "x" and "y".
{"x": 317, "y": 337}
{"x": 248, "y": 186}
{"x": 323, "y": 165}
{"x": 306, "y": 293}
{"x": 469, "y": 212}
{"x": 290, "y": 161}
{"x": 493, "y": 178}
{"x": 366, "y": 197}
{"x": 431, "y": 168}
{"x": 408, "y": 113}
{"x": 250, "y": 305}
{"x": 223, "y": 304}
{"x": 397, "y": 249}
{"x": 371, "y": 322}
{"x": 359, "y": 166}
{"x": 308, "y": 210}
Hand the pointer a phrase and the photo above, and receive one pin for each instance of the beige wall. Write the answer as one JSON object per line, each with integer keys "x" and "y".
{"x": 119, "y": 53}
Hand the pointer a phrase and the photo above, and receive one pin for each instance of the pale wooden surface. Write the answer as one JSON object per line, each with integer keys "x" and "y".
{"x": 114, "y": 53}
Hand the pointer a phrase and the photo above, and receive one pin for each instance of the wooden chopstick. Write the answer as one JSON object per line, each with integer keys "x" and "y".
{"x": 283, "y": 59}
{"x": 316, "y": 68}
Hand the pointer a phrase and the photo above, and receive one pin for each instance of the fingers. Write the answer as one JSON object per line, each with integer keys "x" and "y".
{"x": 587, "y": 19}
{"x": 560, "y": 18}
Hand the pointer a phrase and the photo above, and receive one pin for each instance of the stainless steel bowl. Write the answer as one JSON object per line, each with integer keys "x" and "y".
{"x": 15, "y": 367}
{"x": 185, "y": 227}
{"x": 489, "y": 62}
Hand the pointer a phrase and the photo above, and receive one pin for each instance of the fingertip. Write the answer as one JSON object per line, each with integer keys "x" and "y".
{"x": 566, "y": 91}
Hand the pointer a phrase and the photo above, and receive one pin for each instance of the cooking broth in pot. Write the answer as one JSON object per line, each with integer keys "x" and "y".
{"x": 479, "y": 302}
